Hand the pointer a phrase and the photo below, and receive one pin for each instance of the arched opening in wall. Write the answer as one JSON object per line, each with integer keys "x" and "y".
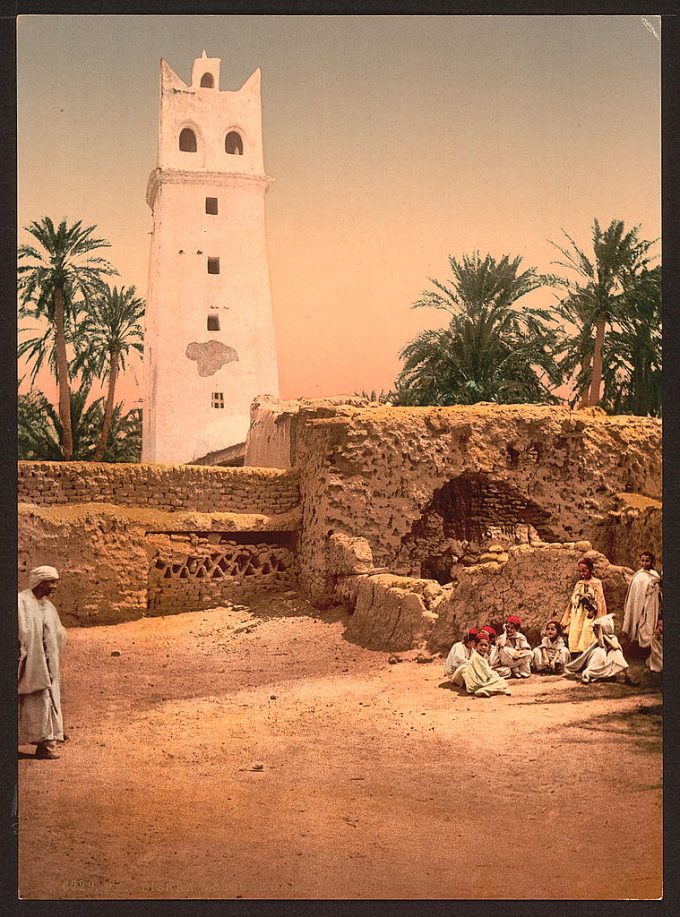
{"x": 233, "y": 144}
{"x": 213, "y": 323}
{"x": 187, "y": 140}
{"x": 464, "y": 519}
{"x": 207, "y": 81}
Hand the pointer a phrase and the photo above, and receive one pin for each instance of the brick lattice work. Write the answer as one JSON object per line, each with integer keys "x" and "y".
{"x": 201, "y": 571}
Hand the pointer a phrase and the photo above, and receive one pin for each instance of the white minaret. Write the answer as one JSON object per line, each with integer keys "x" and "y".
{"x": 209, "y": 344}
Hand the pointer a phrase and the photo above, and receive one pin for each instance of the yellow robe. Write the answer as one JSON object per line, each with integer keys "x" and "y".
{"x": 576, "y": 619}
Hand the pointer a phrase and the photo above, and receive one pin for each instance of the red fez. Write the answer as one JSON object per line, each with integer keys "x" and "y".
{"x": 471, "y": 632}
{"x": 514, "y": 619}
{"x": 489, "y": 630}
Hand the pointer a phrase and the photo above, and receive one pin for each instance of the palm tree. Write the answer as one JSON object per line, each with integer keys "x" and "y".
{"x": 40, "y": 432}
{"x": 632, "y": 356}
{"x": 51, "y": 281}
{"x": 492, "y": 349}
{"x": 591, "y": 301}
{"x": 110, "y": 330}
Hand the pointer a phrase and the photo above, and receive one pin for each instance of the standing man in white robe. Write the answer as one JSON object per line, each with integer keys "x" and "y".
{"x": 41, "y": 640}
{"x": 643, "y": 600}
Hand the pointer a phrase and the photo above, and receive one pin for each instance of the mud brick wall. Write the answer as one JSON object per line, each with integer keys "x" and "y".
{"x": 165, "y": 487}
{"x": 633, "y": 526}
{"x": 203, "y": 571}
{"x": 101, "y": 557}
{"x": 375, "y": 472}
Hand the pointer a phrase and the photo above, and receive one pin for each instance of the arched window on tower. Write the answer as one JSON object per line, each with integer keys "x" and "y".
{"x": 233, "y": 144}
{"x": 207, "y": 81}
{"x": 187, "y": 141}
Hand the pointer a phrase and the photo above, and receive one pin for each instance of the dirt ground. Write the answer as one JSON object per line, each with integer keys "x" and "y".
{"x": 253, "y": 752}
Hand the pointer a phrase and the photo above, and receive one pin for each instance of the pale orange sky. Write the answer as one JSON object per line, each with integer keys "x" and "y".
{"x": 394, "y": 141}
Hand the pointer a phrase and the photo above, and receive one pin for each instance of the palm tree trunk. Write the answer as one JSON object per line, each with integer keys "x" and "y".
{"x": 62, "y": 376}
{"x": 597, "y": 361}
{"x": 108, "y": 411}
{"x": 584, "y": 399}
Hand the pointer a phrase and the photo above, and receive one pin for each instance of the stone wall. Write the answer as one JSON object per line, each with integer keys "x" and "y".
{"x": 100, "y": 554}
{"x": 163, "y": 487}
{"x": 378, "y": 472}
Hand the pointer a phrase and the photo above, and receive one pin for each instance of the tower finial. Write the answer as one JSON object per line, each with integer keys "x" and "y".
{"x": 204, "y": 54}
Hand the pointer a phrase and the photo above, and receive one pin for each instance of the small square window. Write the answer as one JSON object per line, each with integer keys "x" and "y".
{"x": 213, "y": 323}
{"x": 217, "y": 399}
{"x": 211, "y": 205}
{"x": 213, "y": 265}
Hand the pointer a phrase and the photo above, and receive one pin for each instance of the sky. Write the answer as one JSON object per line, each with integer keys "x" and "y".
{"x": 394, "y": 141}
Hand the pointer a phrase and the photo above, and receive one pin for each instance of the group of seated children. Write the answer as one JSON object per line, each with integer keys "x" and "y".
{"x": 483, "y": 662}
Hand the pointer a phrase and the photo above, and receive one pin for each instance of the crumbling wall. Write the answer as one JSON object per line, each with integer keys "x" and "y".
{"x": 104, "y": 555}
{"x": 534, "y": 581}
{"x": 397, "y": 613}
{"x": 100, "y": 554}
{"x": 433, "y": 491}
{"x": 173, "y": 488}
{"x": 374, "y": 472}
{"x": 635, "y": 524}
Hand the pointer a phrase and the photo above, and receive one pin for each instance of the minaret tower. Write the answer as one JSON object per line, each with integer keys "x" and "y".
{"x": 209, "y": 344}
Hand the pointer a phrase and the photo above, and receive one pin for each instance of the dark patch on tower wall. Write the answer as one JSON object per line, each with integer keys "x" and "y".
{"x": 210, "y": 356}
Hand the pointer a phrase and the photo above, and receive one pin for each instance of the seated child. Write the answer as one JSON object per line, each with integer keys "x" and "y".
{"x": 460, "y": 652}
{"x": 514, "y": 652}
{"x": 654, "y": 661}
{"x": 551, "y": 655}
{"x": 477, "y": 675}
{"x": 493, "y": 651}
{"x": 604, "y": 657}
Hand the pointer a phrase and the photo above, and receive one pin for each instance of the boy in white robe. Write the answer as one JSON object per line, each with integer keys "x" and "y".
{"x": 41, "y": 640}
{"x": 552, "y": 654}
{"x": 604, "y": 657}
{"x": 460, "y": 652}
{"x": 476, "y": 674}
{"x": 492, "y": 658}
{"x": 514, "y": 652}
{"x": 643, "y": 602}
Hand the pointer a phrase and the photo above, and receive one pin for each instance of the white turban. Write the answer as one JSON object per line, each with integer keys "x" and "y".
{"x": 40, "y": 574}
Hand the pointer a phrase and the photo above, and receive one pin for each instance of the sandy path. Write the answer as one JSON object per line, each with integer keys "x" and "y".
{"x": 228, "y": 754}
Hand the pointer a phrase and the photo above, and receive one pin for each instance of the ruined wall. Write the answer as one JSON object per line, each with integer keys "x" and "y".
{"x": 164, "y": 487}
{"x": 436, "y": 493}
{"x": 100, "y": 554}
{"x": 634, "y": 525}
{"x": 112, "y": 555}
{"x": 397, "y": 613}
{"x": 375, "y": 472}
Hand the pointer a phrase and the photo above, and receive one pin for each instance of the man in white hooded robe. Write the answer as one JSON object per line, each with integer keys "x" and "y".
{"x": 643, "y": 602}
{"x": 41, "y": 640}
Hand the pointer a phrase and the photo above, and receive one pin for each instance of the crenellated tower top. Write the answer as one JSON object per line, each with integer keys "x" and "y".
{"x": 205, "y": 129}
